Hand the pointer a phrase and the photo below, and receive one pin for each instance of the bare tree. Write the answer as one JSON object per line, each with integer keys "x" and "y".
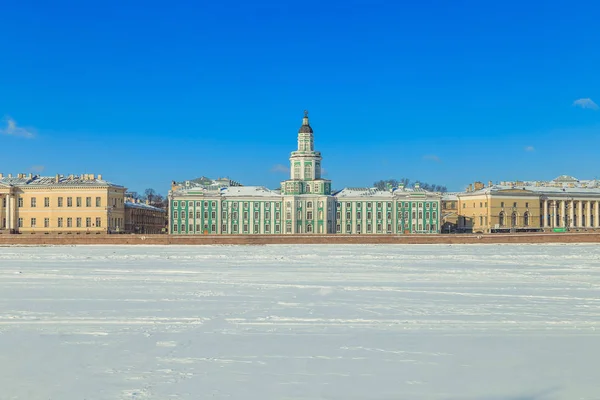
{"x": 149, "y": 194}
{"x": 392, "y": 183}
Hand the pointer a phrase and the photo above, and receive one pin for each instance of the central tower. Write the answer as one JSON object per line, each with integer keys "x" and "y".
{"x": 305, "y": 166}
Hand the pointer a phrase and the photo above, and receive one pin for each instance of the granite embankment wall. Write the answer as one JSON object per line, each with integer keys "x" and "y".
{"x": 103, "y": 239}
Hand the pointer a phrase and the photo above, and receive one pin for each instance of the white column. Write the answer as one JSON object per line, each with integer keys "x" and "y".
{"x": 10, "y": 213}
{"x": 554, "y": 209}
{"x": 545, "y": 218}
{"x": 563, "y": 217}
{"x": 596, "y": 216}
{"x": 571, "y": 212}
{"x": 588, "y": 214}
{"x": 579, "y": 213}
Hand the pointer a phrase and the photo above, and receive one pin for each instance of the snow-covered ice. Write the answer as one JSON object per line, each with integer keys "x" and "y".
{"x": 485, "y": 322}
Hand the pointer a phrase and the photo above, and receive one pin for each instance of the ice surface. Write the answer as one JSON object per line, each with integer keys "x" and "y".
{"x": 450, "y": 322}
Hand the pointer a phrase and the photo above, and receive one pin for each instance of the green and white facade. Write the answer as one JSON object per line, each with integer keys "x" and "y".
{"x": 305, "y": 204}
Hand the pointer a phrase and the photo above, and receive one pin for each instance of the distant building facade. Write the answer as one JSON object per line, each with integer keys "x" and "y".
{"x": 60, "y": 204}
{"x": 449, "y": 213}
{"x": 305, "y": 204}
{"x": 143, "y": 218}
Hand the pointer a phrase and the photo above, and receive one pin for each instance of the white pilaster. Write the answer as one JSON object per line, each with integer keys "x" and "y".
{"x": 579, "y": 214}
{"x": 596, "y": 212}
{"x": 563, "y": 217}
{"x": 545, "y": 218}
{"x": 10, "y": 212}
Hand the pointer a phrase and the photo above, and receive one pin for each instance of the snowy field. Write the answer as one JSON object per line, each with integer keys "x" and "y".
{"x": 449, "y": 322}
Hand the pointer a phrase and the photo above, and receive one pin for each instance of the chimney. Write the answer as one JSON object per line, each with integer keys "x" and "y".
{"x": 99, "y": 177}
{"x": 92, "y": 177}
{"x": 57, "y": 178}
{"x": 1, "y": 175}
{"x": 30, "y": 175}
{"x": 470, "y": 188}
{"x": 489, "y": 183}
{"x": 10, "y": 175}
{"x": 71, "y": 177}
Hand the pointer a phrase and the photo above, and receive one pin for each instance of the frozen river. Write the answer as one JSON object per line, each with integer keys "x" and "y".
{"x": 448, "y": 322}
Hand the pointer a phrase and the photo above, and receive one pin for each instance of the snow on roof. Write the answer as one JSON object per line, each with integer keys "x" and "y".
{"x": 129, "y": 204}
{"x": 449, "y": 196}
{"x": 250, "y": 191}
{"x": 71, "y": 180}
{"x": 541, "y": 190}
{"x": 374, "y": 192}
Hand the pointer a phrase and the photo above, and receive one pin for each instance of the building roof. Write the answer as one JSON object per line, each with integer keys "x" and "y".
{"x": 560, "y": 181}
{"x": 249, "y": 191}
{"x": 535, "y": 190}
{"x": 450, "y": 196}
{"x": 229, "y": 191}
{"x": 84, "y": 180}
{"x": 374, "y": 192}
{"x": 129, "y": 204}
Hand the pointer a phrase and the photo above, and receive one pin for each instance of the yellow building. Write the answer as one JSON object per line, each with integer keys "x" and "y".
{"x": 60, "y": 204}
{"x": 561, "y": 204}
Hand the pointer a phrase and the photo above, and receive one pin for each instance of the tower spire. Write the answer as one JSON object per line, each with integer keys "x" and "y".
{"x": 305, "y": 128}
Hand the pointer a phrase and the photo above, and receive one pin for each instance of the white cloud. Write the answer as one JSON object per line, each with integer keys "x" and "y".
{"x": 586, "y": 103}
{"x": 529, "y": 148}
{"x": 12, "y": 129}
{"x": 432, "y": 157}
{"x": 280, "y": 169}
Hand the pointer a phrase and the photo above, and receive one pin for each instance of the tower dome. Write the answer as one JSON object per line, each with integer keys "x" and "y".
{"x": 305, "y": 128}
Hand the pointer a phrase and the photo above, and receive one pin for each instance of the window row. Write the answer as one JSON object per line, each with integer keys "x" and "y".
{"x": 61, "y": 222}
{"x": 379, "y": 228}
{"x": 224, "y": 214}
{"x": 389, "y": 205}
{"x": 379, "y": 215}
{"x": 204, "y": 229}
{"x": 60, "y": 202}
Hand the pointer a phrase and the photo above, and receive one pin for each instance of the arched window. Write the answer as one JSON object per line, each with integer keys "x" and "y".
{"x": 501, "y": 219}
{"x": 526, "y": 219}
{"x": 513, "y": 219}
{"x": 297, "y": 171}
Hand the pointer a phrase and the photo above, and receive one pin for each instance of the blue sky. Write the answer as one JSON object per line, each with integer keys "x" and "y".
{"x": 445, "y": 92}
